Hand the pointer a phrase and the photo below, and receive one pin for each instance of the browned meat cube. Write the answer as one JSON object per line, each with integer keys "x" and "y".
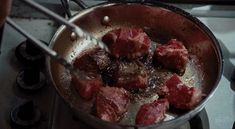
{"x": 87, "y": 88}
{"x": 92, "y": 61}
{"x": 151, "y": 113}
{"x": 172, "y": 55}
{"x": 180, "y": 95}
{"x": 111, "y": 103}
{"x": 129, "y": 75}
{"x": 127, "y": 42}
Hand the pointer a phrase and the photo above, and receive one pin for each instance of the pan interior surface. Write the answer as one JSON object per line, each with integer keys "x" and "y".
{"x": 161, "y": 25}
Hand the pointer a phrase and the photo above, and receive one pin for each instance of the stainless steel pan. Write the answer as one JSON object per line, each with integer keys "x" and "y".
{"x": 161, "y": 22}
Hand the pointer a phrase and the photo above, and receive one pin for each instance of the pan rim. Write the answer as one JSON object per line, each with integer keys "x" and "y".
{"x": 218, "y": 51}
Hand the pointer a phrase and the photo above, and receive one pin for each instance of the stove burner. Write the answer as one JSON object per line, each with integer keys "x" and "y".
{"x": 31, "y": 79}
{"x": 29, "y": 54}
{"x": 25, "y": 115}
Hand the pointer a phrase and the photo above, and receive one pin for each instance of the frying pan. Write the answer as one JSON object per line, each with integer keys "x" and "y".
{"x": 161, "y": 22}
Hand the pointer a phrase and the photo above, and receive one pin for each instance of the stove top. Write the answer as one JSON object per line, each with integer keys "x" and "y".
{"x": 219, "y": 112}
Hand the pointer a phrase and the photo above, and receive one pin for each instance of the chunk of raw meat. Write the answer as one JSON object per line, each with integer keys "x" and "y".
{"x": 180, "y": 95}
{"x": 112, "y": 103}
{"x": 172, "y": 55}
{"x": 129, "y": 75}
{"x": 87, "y": 88}
{"x": 151, "y": 113}
{"x": 127, "y": 42}
{"x": 92, "y": 61}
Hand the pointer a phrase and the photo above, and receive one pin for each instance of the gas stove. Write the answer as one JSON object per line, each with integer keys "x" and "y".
{"x": 28, "y": 100}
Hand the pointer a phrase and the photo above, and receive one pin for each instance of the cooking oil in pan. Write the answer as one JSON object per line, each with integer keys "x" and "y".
{"x": 158, "y": 75}
{"x": 191, "y": 77}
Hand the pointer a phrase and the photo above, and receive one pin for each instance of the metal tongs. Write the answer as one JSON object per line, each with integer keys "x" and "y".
{"x": 53, "y": 54}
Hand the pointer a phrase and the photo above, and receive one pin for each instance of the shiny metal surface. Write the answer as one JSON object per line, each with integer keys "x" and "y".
{"x": 163, "y": 23}
{"x": 48, "y": 51}
{"x": 74, "y": 28}
{"x": 62, "y": 110}
{"x": 36, "y": 42}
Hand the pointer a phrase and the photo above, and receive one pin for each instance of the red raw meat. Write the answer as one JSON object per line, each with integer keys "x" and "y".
{"x": 92, "y": 61}
{"x": 180, "y": 95}
{"x": 129, "y": 75}
{"x": 127, "y": 42}
{"x": 172, "y": 55}
{"x": 151, "y": 113}
{"x": 112, "y": 103}
{"x": 87, "y": 87}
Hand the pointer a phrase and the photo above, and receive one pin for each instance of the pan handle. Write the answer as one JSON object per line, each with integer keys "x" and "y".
{"x": 85, "y": 6}
{"x": 53, "y": 54}
{"x": 127, "y": 1}
{"x": 65, "y": 5}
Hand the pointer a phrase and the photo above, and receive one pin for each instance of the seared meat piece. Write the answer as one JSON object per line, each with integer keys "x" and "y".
{"x": 151, "y": 113}
{"x": 180, "y": 95}
{"x": 111, "y": 103}
{"x": 92, "y": 61}
{"x": 129, "y": 75}
{"x": 108, "y": 74}
{"x": 87, "y": 87}
{"x": 172, "y": 55}
{"x": 127, "y": 42}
